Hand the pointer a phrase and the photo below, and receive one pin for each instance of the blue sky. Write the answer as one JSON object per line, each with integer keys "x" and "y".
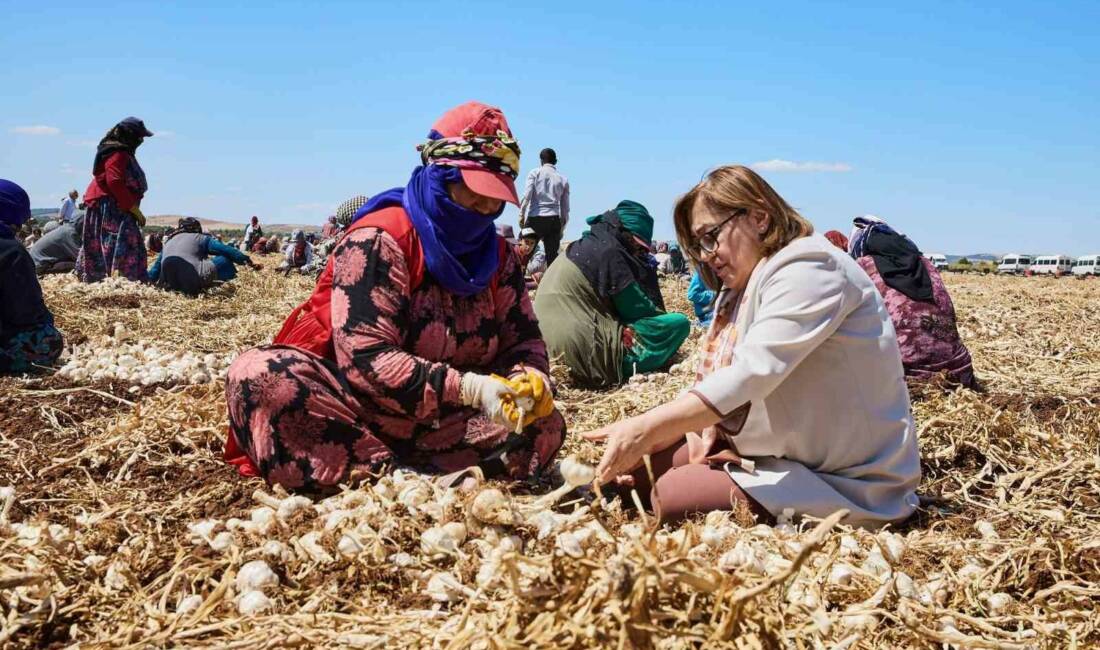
{"x": 972, "y": 128}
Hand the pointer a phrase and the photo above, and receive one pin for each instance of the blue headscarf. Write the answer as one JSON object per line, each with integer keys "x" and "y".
{"x": 15, "y": 205}
{"x": 460, "y": 245}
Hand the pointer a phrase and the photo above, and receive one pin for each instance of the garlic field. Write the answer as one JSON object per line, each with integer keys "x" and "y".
{"x": 120, "y": 526}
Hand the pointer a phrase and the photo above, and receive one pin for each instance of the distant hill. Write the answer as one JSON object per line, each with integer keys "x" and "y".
{"x": 170, "y": 221}
{"x": 976, "y": 257}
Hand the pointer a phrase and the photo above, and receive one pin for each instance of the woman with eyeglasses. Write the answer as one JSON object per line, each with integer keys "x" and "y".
{"x": 800, "y": 401}
{"x": 600, "y": 307}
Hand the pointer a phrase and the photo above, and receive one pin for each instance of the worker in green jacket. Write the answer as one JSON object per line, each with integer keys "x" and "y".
{"x": 599, "y": 306}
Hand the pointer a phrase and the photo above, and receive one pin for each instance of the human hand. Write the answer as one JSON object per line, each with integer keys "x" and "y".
{"x": 529, "y": 385}
{"x": 487, "y": 394}
{"x": 627, "y": 442}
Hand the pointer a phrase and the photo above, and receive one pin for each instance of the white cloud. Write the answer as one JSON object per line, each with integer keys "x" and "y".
{"x": 777, "y": 165}
{"x": 164, "y": 134}
{"x": 67, "y": 168}
{"x": 38, "y": 129}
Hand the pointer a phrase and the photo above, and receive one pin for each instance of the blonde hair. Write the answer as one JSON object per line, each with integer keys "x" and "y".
{"x": 735, "y": 187}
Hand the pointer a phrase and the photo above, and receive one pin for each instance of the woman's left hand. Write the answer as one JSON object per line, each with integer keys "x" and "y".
{"x": 627, "y": 443}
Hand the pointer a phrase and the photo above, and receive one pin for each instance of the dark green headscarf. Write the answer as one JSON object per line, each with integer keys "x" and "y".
{"x": 634, "y": 218}
{"x": 606, "y": 257}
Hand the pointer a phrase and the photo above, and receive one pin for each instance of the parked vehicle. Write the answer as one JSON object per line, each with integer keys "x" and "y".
{"x": 1052, "y": 265}
{"x": 938, "y": 260}
{"x": 1014, "y": 263}
{"x": 1087, "y": 265}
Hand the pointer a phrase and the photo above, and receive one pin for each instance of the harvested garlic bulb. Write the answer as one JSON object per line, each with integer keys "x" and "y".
{"x": 841, "y": 574}
{"x": 437, "y": 542}
{"x": 492, "y": 507}
{"x": 253, "y": 602}
{"x": 576, "y": 473}
{"x": 188, "y": 604}
{"x": 256, "y": 575}
{"x": 444, "y": 587}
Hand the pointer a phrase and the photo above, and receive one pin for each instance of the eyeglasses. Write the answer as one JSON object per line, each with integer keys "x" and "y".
{"x": 708, "y": 241}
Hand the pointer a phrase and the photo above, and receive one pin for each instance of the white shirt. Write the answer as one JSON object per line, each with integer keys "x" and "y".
{"x": 546, "y": 194}
{"x": 830, "y": 424}
{"x": 288, "y": 253}
{"x": 65, "y": 214}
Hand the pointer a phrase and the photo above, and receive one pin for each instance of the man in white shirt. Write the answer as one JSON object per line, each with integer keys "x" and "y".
{"x": 545, "y": 204}
{"x": 68, "y": 207}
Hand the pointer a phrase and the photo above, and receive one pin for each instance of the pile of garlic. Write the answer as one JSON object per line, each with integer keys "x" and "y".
{"x": 118, "y": 357}
{"x": 107, "y": 287}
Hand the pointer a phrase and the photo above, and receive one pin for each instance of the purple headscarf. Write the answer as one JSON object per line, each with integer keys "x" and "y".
{"x": 15, "y": 205}
{"x": 460, "y": 245}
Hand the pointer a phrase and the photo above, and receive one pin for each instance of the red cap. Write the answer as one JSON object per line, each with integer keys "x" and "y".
{"x": 479, "y": 119}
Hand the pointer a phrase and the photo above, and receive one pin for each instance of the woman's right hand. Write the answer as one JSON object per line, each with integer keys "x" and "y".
{"x": 627, "y": 442}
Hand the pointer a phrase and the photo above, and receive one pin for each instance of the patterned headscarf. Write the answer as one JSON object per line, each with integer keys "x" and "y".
{"x": 498, "y": 154}
{"x": 345, "y": 213}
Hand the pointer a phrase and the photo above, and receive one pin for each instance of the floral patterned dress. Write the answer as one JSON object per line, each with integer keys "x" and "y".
{"x": 927, "y": 332}
{"x": 392, "y": 393}
{"x": 112, "y": 239}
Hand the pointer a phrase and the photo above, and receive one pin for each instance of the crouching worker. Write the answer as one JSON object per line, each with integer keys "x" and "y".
{"x": 298, "y": 254}
{"x": 57, "y": 250}
{"x": 418, "y": 346}
{"x": 801, "y": 399}
{"x": 600, "y": 305}
{"x": 191, "y": 260}
{"x": 28, "y": 339}
{"x": 919, "y": 305}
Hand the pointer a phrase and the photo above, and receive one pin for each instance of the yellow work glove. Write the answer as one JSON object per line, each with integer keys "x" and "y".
{"x": 138, "y": 216}
{"x": 532, "y": 393}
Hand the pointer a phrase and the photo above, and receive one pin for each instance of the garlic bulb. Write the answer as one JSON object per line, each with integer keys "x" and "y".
{"x": 256, "y": 575}
{"x": 444, "y": 588}
{"x": 742, "y": 557}
{"x": 264, "y": 519}
{"x": 569, "y": 544}
{"x": 576, "y": 473}
{"x": 893, "y": 546}
{"x": 291, "y": 506}
{"x": 253, "y": 602}
{"x": 841, "y": 574}
{"x": 904, "y": 586}
{"x": 997, "y": 603}
{"x": 311, "y": 544}
{"x": 877, "y": 565}
{"x": 437, "y": 542}
{"x": 349, "y": 546}
{"x": 188, "y": 604}
{"x": 492, "y": 507}
{"x": 276, "y": 550}
{"x": 986, "y": 530}
{"x": 222, "y": 542}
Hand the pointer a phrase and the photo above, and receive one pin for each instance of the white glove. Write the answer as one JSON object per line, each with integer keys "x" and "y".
{"x": 485, "y": 393}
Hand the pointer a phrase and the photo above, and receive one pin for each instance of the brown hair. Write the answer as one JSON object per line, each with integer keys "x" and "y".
{"x": 736, "y": 187}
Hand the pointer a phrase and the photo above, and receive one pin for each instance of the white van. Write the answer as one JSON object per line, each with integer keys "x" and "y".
{"x": 1052, "y": 265}
{"x": 1087, "y": 265}
{"x": 938, "y": 260}
{"x": 1014, "y": 263}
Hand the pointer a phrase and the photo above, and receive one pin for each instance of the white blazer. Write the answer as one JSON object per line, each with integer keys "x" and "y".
{"x": 830, "y": 424}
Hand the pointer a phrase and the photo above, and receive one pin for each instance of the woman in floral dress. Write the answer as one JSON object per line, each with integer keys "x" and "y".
{"x": 417, "y": 341}
{"x": 111, "y": 241}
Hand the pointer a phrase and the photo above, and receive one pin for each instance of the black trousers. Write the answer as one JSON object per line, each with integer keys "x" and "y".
{"x": 549, "y": 231}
